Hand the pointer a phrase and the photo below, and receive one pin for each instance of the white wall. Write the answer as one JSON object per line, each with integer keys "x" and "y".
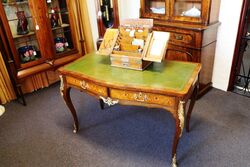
{"x": 93, "y": 20}
{"x": 227, "y": 33}
{"x": 129, "y": 9}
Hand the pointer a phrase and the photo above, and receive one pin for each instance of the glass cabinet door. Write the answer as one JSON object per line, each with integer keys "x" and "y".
{"x": 61, "y": 27}
{"x": 22, "y": 30}
{"x": 158, "y": 9}
{"x": 189, "y": 10}
{"x": 107, "y": 13}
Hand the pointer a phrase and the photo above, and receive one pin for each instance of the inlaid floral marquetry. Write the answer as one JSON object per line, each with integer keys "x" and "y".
{"x": 89, "y": 86}
{"x": 143, "y": 97}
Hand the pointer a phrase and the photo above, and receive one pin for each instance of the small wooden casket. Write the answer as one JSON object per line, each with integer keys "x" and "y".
{"x": 134, "y": 45}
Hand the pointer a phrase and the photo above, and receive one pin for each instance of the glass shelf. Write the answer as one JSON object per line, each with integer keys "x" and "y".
{"x": 28, "y": 17}
{"x": 15, "y": 3}
{"x": 61, "y": 26}
{"x": 15, "y": 36}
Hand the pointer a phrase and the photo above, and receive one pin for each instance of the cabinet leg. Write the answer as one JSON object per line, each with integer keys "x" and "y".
{"x": 20, "y": 95}
{"x": 101, "y": 104}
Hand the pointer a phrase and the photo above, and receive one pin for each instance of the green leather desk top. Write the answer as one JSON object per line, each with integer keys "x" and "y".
{"x": 168, "y": 75}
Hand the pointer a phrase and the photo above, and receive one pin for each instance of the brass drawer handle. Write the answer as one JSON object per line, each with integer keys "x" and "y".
{"x": 178, "y": 37}
{"x": 83, "y": 84}
{"x": 140, "y": 97}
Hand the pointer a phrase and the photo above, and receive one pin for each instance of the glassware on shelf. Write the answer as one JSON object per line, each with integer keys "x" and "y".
{"x": 22, "y": 24}
{"x": 193, "y": 12}
{"x": 54, "y": 17}
{"x": 60, "y": 44}
{"x": 27, "y": 53}
{"x": 158, "y": 10}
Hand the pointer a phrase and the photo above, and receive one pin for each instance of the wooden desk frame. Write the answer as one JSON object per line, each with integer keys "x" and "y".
{"x": 111, "y": 94}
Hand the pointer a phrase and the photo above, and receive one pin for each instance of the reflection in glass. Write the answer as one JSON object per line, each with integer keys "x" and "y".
{"x": 187, "y": 8}
{"x": 155, "y": 6}
{"x": 107, "y": 13}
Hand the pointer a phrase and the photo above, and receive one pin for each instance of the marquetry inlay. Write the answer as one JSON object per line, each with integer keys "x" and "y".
{"x": 89, "y": 86}
{"x": 143, "y": 97}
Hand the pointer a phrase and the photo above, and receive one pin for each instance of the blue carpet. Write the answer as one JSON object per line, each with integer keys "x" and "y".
{"x": 40, "y": 134}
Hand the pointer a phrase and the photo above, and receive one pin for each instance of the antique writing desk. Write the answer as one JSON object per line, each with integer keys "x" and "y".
{"x": 166, "y": 85}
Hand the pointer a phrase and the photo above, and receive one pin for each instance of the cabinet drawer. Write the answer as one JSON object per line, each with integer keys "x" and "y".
{"x": 89, "y": 86}
{"x": 182, "y": 37}
{"x": 142, "y": 97}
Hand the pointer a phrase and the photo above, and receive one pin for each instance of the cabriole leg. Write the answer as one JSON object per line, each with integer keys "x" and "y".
{"x": 65, "y": 92}
{"x": 179, "y": 125}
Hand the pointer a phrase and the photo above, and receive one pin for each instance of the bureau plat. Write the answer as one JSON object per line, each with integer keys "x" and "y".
{"x": 168, "y": 85}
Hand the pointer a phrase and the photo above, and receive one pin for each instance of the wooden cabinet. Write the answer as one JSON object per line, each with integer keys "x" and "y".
{"x": 41, "y": 35}
{"x": 193, "y": 28}
{"x": 107, "y": 16}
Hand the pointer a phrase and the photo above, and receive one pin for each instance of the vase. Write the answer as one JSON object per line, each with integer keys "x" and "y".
{"x": 27, "y": 53}
{"x": 54, "y": 18}
{"x": 60, "y": 44}
{"x": 22, "y": 24}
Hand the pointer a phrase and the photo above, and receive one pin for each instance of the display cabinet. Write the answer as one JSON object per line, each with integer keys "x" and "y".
{"x": 41, "y": 35}
{"x": 107, "y": 16}
{"x": 193, "y": 28}
{"x": 193, "y": 11}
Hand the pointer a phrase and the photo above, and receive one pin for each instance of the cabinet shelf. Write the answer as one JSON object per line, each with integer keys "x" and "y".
{"x": 28, "y": 17}
{"x": 189, "y": 1}
{"x": 15, "y": 36}
{"x": 15, "y": 3}
{"x": 61, "y": 27}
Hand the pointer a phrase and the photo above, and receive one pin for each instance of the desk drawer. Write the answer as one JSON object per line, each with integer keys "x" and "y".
{"x": 142, "y": 97}
{"x": 89, "y": 86}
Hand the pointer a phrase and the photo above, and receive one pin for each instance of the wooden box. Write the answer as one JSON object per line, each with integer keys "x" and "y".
{"x": 134, "y": 45}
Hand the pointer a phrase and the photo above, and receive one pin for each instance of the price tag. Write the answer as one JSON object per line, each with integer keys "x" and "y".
{"x": 34, "y": 53}
{"x": 66, "y": 44}
{"x": 132, "y": 33}
{"x": 37, "y": 27}
{"x": 48, "y": 1}
{"x": 99, "y": 14}
{"x": 52, "y": 11}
